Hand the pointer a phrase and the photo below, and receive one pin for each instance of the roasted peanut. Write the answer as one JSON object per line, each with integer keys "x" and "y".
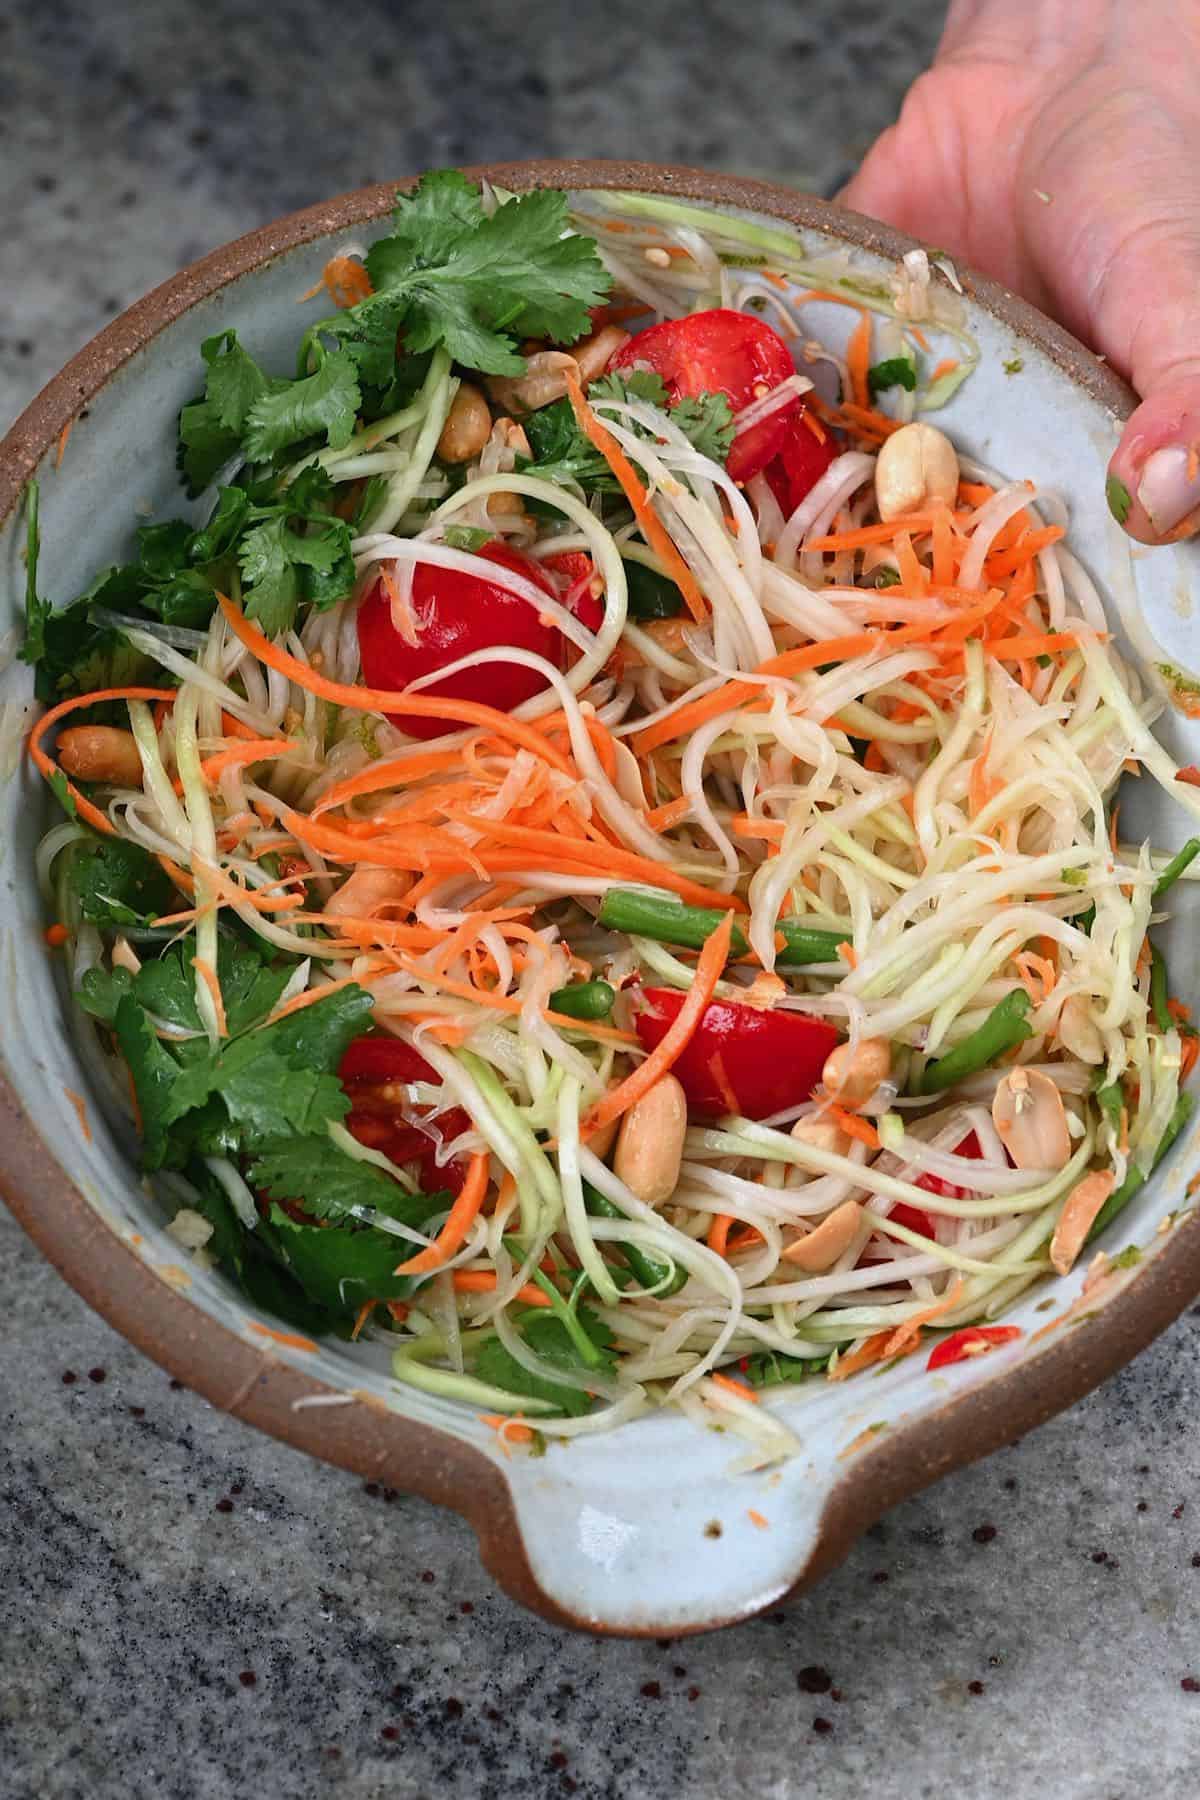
{"x": 916, "y": 465}
{"x": 366, "y": 891}
{"x": 542, "y": 382}
{"x": 601, "y": 1145}
{"x": 1031, "y": 1121}
{"x": 504, "y": 506}
{"x": 821, "y": 1134}
{"x": 1078, "y": 1033}
{"x": 650, "y": 1143}
{"x": 818, "y": 1250}
{"x": 596, "y": 352}
{"x": 468, "y": 425}
{"x": 101, "y": 753}
{"x": 851, "y": 1076}
{"x": 1078, "y": 1216}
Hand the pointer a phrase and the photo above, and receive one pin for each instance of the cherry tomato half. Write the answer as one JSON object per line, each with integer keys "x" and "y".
{"x": 913, "y": 1216}
{"x": 721, "y": 352}
{"x": 802, "y": 460}
{"x": 573, "y": 572}
{"x": 740, "y": 1058}
{"x": 382, "y": 1121}
{"x": 456, "y": 614}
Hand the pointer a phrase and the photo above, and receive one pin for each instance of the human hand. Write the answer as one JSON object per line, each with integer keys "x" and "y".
{"x": 1055, "y": 146}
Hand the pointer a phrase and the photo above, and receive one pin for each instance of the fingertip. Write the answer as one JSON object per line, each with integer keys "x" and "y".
{"x": 1153, "y": 482}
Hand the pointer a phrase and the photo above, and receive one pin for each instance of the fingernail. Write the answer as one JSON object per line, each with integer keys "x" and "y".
{"x": 1170, "y": 486}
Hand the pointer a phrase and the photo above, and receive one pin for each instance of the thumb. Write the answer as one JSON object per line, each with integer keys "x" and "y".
{"x": 1121, "y": 258}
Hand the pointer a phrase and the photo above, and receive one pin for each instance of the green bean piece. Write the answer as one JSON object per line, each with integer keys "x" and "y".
{"x": 1004, "y": 1028}
{"x": 1136, "y": 1178}
{"x": 667, "y": 921}
{"x": 651, "y": 595}
{"x": 1158, "y": 991}
{"x": 584, "y": 1000}
{"x": 807, "y": 944}
{"x": 671, "y": 922}
{"x": 647, "y": 1269}
{"x": 1111, "y": 1098}
{"x": 1174, "y": 869}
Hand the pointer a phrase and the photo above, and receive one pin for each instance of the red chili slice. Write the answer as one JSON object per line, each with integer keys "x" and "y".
{"x": 972, "y": 1340}
{"x": 740, "y": 1058}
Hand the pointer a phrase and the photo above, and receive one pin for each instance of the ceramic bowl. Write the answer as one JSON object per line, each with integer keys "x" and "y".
{"x": 642, "y": 1531}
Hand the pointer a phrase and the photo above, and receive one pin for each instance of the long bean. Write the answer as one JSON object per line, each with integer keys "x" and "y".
{"x": 1004, "y": 1028}
{"x": 1174, "y": 869}
{"x": 647, "y": 1270}
{"x": 1136, "y": 1178}
{"x": 1158, "y": 991}
{"x": 642, "y": 914}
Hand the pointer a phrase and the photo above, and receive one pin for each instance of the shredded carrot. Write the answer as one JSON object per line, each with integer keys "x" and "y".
{"x": 1048, "y": 643}
{"x": 346, "y": 280}
{"x": 45, "y": 764}
{"x": 484, "y": 1281}
{"x": 718, "y": 1233}
{"x": 858, "y": 359}
{"x": 246, "y": 750}
{"x": 80, "y": 1105}
{"x": 364, "y": 699}
{"x": 873, "y": 1351}
{"x": 361, "y": 1316}
{"x": 208, "y": 976}
{"x": 63, "y": 436}
{"x": 509, "y": 1430}
{"x": 462, "y": 1216}
{"x": 655, "y": 531}
{"x": 855, "y": 1127}
{"x": 310, "y": 997}
{"x": 947, "y": 366}
{"x": 733, "y": 1387}
{"x": 291, "y": 1340}
{"x": 906, "y": 1336}
{"x": 679, "y": 1034}
{"x": 756, "y": 1518}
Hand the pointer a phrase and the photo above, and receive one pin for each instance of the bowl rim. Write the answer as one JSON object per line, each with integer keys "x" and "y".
{"x": 364, "y": 1435}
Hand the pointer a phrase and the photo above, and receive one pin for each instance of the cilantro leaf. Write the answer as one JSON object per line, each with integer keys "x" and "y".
{"x": 249, "y": 988}
{"x": 205, "y": 446}
{"x": 896, "y": 371}
{"x": 561, "y": 452}
{"x": 37, "y": 611}
{"x": 317, "y": 1174}
{"x": 101, "y": 991}
{"x": 273, "y": 1289}
{"x": 155, "y": 1077}
{"x": 341, "y": 1269}
{"x": 235, "y": 381}
{"x": 225, "y": 526}
{"x": 549, "y": 1338}
{"x": 263, "y": 1095}
{"x": 638, "y": 384}
{"x": 466, "y": 537}
{"x": 478, "y": 284}
{"x": 271, "y": 574}
{"x": 117, "y": 882}
{"x": 322, "y": 404}
{"x": 707, "y": 419}
{"x": 318, "y": 1036}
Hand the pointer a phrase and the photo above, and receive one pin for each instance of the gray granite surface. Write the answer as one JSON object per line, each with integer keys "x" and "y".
{"x": 189, "y": 1611}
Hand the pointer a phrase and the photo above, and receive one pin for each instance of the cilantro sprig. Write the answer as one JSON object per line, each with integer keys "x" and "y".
{"x": 562, "y": 453}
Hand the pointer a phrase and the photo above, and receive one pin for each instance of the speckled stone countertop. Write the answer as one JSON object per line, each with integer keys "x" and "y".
{"x": 189, "y": 1611}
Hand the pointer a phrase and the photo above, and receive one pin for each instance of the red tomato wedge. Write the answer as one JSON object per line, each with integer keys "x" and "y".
{"x": 383, "y": 1121}
{"x": 573, "y": 571}
{"x": 912, "y": 1216}
{"x": 721, "y": 352}
{"x": 802, "y": 460}
{"x": 740, "y": 1059}
{"x": 456, "y": 614}
{"x": 971, "y": 1341}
